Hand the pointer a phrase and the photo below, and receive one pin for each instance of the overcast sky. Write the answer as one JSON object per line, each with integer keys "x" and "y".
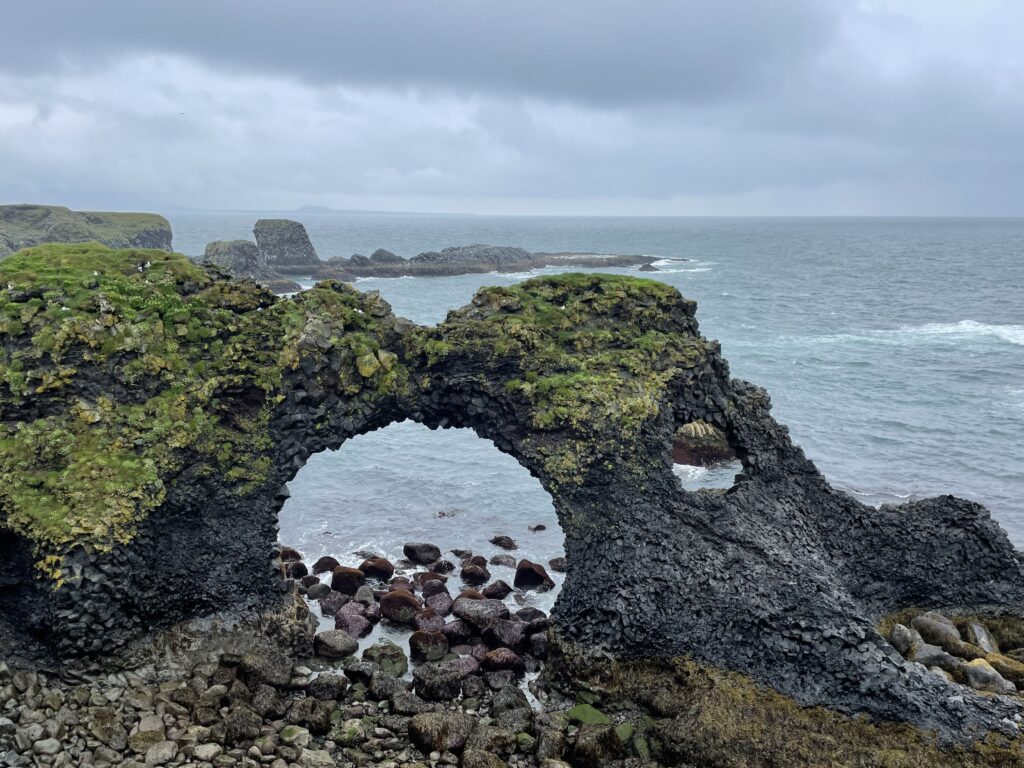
{"x": 565, "y": 106}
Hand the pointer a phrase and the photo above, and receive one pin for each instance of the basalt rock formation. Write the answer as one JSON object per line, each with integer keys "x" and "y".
{"x": 242, "y": 259}
{"x": 285, "y": 245}
{"x": 151, "y": 413}
{"x": 22, "y": 226}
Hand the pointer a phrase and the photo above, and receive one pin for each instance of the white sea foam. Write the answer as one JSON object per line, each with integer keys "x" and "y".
{"x": 965, "y": 330}
{"x": 1013, "y": 334}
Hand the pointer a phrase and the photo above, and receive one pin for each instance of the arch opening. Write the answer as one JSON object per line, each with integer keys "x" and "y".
{"x": 407, "y": 483}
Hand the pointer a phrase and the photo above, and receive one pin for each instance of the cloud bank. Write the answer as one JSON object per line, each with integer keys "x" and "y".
{"x": 582, "y": 106}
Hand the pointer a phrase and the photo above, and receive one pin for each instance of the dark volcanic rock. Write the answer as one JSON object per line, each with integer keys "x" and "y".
{"x": 377, "y": 568}
{"x": 475, "y": 574}
{"x": 530, "y": 575}
{"x": 242, "y": 259}
{"x": 428, "y": 646}
{"x": 400, "y": 606}
{"x": 505, "y": 542}
{"x": 325, "y": 564}
{"x": 421, "y": 553}
{"x": 284, "y": 245}
{"x": 347, "y": 580}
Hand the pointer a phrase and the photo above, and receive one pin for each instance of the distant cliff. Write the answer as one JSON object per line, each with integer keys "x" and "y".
{"x": 23, "y": 226}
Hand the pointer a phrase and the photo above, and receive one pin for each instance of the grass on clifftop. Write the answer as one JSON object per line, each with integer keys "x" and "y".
{"x": 121, "y": 358}
{"x": 590, "y": 350}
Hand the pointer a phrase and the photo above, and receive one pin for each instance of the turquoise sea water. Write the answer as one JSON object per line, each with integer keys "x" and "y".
{"x": 893, "y": 349}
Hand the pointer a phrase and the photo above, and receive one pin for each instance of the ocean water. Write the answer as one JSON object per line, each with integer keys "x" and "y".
{"x": 893, "y": 349}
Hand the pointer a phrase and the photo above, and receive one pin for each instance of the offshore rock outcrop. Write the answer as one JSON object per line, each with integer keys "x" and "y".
{"x": 242, "y": 259}
{"x": 467, "y": 259}
{"x": 22, "y": 226}
{"x": 285, "y": 245}
{"x": 150, "y": 432}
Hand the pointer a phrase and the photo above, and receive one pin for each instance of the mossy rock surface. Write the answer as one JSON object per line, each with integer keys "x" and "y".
{"x": 152, "y": 412}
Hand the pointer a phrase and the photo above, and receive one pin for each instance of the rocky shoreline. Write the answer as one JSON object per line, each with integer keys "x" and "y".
{"x": 451, "y": 691}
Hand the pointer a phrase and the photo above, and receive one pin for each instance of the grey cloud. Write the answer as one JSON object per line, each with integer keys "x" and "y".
{"x": 598, "y": 51}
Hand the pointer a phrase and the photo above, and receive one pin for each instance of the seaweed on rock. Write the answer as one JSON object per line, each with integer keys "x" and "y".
{"x": 153, "y": 411}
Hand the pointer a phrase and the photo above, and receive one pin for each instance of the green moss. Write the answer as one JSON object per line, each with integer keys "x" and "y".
{"x": 585, "y": 352}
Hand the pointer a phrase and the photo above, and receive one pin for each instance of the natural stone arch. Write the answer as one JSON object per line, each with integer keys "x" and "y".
{"x": 582, "y": 378}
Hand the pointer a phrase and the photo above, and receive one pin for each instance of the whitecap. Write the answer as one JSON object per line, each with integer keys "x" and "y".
{"x": 1013, "y": 334}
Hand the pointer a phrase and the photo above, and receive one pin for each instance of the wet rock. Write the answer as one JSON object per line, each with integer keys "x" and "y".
{"x": 530, "y": 575}
{"x": 325, "y": 564}
{"x": 505, "y": 561}
{"x": 383, "y": 686}
{"x": 457, "y": 631}
{"x": 333, "y": 602}
{"x": 334, "y": 644}
{"x": 377, "y": 568}
{"x": 441, "y": 603}
{"x": 700, "y": 444}
{"x": 296, "y": 570}
{"x": 389, "y": 657}
{"x": 289, "y": 555}
{"x": 352, "y": 623}
{"x": 431, "y": 588}
{"x": 408, "y": 703}
{"x": 497, "y": 590}
{"x": 538, "y": 527}
{"x": 428, "y": 620}
{"x": 434, "y": 732}
{"x": 504, "y": 659}
{"x": 400, "y": 606}
{"x": 327, "y": 686}
{"x": 558, "y": 564}
{"x": 595, "y": 745}
{"x": 505, "y": 633}
{"x": 505, "y": 542}
{"x": 365, "y": 595}
{"x": 442, "y": 681}
{"x": 347, "y": 580}
{"x": 475, "y": 574}
{"x": 508, "y": 698}
{"x": 267, "y": 665}
{"x": 428, "y": 646}
{"x": 421, "y": 553}
{"x": 442, "y": 566}
{"x": 529, "y": 613}
{"x": 318, "y": 591}
{"x": 480, "y": 613}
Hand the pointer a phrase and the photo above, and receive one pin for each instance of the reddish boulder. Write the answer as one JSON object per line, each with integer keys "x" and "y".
{"x": 400, "y": 606}
{"x": 347, "y": 580}
{"x": 499, "y": 590}
{"x": 531, "y": 575}
{"x": 325, "y": 564}
{"x": 377, "y": 568}
{"x": 427, "y": 646}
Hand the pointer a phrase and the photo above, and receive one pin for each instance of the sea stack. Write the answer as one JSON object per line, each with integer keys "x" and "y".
{"x": 284, "y": 245}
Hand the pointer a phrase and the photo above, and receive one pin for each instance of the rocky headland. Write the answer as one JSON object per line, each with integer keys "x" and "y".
{"x": 153, "y": 412}
{"x": 284, "y": 248}
{"x": 22, "y": 226}
{"x": 467, "y": 259}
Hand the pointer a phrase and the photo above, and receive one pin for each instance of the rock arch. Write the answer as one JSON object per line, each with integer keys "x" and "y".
{"x": 582, "y": 378}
